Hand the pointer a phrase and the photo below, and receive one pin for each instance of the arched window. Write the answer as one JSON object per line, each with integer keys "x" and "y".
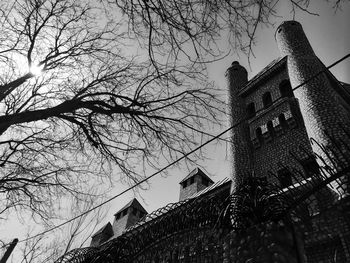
{"x": 267, "y": 99}
{"x": 251, "y": 110}
{"x": 270, "y": 128}
{"x": 310, "y": 167}
{"x": 286, "y": 89}
{"x": 258, "y": 133}
{"x": 282, "y": 120}
{"x": 285, "y": 177}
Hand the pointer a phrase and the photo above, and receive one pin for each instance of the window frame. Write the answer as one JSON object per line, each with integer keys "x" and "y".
{"x": 267, "y": 99}
{"x": 284, "y": 176}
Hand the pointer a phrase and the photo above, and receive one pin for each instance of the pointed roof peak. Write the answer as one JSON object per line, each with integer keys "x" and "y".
{"x": 107, "y": 228}
{"x": 133, "y": 203}
{"x": 197, "y": 171}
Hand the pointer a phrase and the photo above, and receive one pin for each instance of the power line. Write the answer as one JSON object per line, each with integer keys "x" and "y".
{"x": 174, "y": 162}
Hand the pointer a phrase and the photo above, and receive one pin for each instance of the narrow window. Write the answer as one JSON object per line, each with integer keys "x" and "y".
{"x": 258, "y": 134}
{"x": 134, "y": 211}
{"x": 251, "y": 110}
{"x": 267, "y": 99}
{"x": 286, "y": 89}
{"x": 192, "y": 180}
{"x": 270, "y": 128}
{"x": 285, "y": 177}
{"x": 282, "y": 120}
{"x": 205, "y": 182}
{"x": 125, "y": 212}
{"x": 184, "y": 184}
{"x": 310, "y": 167}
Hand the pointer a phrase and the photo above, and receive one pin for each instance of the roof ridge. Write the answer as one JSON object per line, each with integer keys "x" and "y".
{"x": 196, "y": 170}
{"x": 132, "y": 203}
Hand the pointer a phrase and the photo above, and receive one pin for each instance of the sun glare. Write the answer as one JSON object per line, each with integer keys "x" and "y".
{"x": 36, "y": 69}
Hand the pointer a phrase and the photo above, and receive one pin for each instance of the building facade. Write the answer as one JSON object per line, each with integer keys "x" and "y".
{"x": 284, "y": 107}
{"x": 290, "y": 129}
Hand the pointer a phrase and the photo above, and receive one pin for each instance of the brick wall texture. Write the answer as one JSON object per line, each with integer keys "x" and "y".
{"x": 316, "y": 111}
{"x": 277, "y": 136}
{"x": 325, "y": 238}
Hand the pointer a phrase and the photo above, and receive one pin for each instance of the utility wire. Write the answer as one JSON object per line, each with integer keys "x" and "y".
{"x": 174, "y": 162}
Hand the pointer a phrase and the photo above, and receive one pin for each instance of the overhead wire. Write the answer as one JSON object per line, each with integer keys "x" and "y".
{"x": 174, "y": 162}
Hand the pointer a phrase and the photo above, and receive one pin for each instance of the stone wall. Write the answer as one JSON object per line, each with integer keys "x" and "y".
{"x": 274, "y": 148}
{"x": 325, "y": 239}
{"x": 236, "y": 77}
{"x": 319, "y": 102}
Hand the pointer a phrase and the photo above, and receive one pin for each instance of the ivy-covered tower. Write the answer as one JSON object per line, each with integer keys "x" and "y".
{"x": 323, "y": 104}
{"x": 237, "y": 78}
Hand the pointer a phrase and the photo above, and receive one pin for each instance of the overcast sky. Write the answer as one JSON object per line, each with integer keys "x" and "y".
{"x": 329, "y": 35}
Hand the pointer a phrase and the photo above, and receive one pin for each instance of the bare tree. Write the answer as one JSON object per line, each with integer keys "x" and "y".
{"x": 75, "y": 235}
{"x": 191, "y": 29}
{"x": 94, "y": 88}
{"x": 78, "y": 103}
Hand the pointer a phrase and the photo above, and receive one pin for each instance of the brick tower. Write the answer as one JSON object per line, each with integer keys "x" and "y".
{"x": 237, "y": 77}
{"x": 323, "y": 108}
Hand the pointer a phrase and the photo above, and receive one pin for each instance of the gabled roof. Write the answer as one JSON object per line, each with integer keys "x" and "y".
{"x": 211, "y": 187}
{"x": 169, "y": 208}
{"x": 133, "y": 203}
{"x": 107, "y": 228}
{"x": 265, "y": 72}
{"x": 194, "y": 172}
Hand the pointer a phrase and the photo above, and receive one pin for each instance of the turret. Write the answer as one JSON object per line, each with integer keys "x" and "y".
{"x": 126, "y": 217}
{"x": 319, "y": 103}
{"x": 193, "y": 183}
{"x": 102, "y": 235}
{"x": 237, "y": 77}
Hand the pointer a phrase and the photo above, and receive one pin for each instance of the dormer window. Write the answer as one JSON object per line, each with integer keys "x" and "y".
{"x": 251, "y": 110}
{"x": 267, "y": 99}
{"x": 205, "y": 182}
{"x": 270, "y": 128}
{"x": 286, "y": 89}
{"x": 192, "y": 180}
{"x": 282, "y": 120}
{"x": 258, "y": 134}
{"x": 285, "y": 177}
{"x": 310, "y": 167}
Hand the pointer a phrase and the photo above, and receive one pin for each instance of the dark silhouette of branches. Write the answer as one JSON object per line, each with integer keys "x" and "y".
{"x": 75, "y": 235}
{"x": 78, "y": 103}
{"x": 92, "y": 92}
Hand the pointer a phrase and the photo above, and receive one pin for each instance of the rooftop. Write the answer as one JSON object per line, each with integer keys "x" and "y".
{"x": 194, "y": 172}
{"x": 172, "y": 206}
{"x": 265, "y": 72}
{"x": 133, "y": 203}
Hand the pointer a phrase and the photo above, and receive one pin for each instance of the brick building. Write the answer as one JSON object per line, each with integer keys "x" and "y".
{"x": 291, "y": 127}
